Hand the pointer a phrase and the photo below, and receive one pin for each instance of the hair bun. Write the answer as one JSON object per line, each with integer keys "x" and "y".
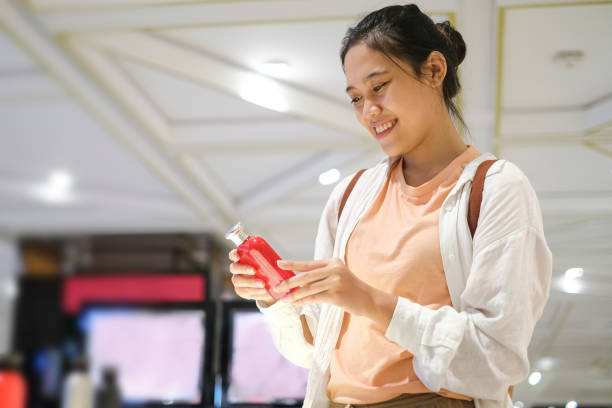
{"x": 454, "y": 38}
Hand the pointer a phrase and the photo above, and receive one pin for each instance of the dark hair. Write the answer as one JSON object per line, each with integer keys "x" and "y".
{"x": 408, "y": 34}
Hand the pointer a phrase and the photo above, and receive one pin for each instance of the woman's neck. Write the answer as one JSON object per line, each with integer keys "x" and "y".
{"x": 436, "y": 151}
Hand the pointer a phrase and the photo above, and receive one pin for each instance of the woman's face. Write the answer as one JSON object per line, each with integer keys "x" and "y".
{"x": 390, "y": 102}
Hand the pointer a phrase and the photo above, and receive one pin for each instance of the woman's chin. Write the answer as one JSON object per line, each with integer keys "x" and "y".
{"x": 391, "y": 149}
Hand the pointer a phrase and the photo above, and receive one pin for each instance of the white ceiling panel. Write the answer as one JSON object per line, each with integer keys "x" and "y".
{"x": 41, "y": 137}
{"x": 562, "y": 168}
{"x": 183, "y": 100}
{"x": 13, "y": 58}
{"x": 22, "y": 85}
{"x": 256, "y": 135}
{"x": 242, "y": 173}
{"x": 532, "y": 79}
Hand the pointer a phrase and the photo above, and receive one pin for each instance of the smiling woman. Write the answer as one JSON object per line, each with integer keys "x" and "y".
{"x": 425, "y": 289}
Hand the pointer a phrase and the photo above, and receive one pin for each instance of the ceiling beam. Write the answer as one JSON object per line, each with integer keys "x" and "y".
{"x": 196, "y": 65}
{"x": 144, "y": 111}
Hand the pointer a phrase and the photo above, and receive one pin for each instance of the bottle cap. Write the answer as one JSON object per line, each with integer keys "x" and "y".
{"x": 236, "y": 234}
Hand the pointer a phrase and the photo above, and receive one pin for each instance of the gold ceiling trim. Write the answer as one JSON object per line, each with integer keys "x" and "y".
{"x": 599, "y": 148}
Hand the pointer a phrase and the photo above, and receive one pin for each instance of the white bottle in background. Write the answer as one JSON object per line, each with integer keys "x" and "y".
{"x": 78, "y": 389}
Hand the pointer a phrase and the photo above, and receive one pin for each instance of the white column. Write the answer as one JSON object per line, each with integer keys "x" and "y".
{"x": 476, "y": 21}
{"x": 9, "y": 267}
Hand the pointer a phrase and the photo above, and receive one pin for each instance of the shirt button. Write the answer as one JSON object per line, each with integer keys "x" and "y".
{"x": 451, "y": 257}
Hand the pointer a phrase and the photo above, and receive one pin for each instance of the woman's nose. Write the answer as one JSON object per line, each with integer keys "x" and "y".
{"x": 370, "y": 109}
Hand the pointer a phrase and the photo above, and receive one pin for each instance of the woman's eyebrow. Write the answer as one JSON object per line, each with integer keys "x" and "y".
{"x": 370, "y": 75}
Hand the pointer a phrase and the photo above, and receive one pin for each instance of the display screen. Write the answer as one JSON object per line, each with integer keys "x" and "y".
{"x": 157, "y": 354}
{"x": 258, "y": 373}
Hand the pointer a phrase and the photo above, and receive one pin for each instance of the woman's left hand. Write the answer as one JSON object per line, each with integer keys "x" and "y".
{"x": 331, "y": 281}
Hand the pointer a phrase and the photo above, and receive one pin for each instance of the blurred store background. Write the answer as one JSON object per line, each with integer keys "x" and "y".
{"x": 134, "y": 133}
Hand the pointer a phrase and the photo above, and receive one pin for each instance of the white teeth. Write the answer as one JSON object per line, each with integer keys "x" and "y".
{"x": 384, "y": 127}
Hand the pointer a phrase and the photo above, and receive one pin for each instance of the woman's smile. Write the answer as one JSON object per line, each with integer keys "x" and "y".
{"x": 382, "y": 129}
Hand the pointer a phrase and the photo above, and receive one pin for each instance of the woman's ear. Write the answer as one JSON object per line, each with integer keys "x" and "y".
{"x": 433, "y": 69}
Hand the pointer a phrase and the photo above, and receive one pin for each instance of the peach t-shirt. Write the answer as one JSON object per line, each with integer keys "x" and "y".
{"x": 395, "y": 247}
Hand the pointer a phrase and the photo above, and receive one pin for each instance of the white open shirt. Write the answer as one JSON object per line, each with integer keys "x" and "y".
{"x": 498, "y": 284}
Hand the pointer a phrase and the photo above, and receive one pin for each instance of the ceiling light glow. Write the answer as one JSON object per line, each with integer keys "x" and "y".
{"x": 571, "y": 280}
{"x": 58, "y": 189}
{"x": 574, "y": 273}
{"x": 264, "y": 92}
{"x": 329, "y": 177}
{"x": 546, "y": 363}
{"x": 519, "y": 404}
{"x": 274, "y": 68}
{"x": 571, "y": 404}
{"x": 571, "y": 285}
{"x": 535, "y": 377}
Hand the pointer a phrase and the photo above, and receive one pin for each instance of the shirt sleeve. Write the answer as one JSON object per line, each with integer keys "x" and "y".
{"x": 481, "y": 350}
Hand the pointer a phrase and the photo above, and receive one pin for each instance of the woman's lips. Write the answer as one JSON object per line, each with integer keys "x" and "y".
{"x": 384, "y": 128}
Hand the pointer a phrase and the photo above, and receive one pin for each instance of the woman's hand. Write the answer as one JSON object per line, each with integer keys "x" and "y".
{"x": 331, "y": 281}
{"x": 245, "y": 283}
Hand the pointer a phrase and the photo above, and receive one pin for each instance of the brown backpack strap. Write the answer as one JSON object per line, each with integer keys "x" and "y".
{"x": 348, "y": 190}
{"x": 476, "y": 194}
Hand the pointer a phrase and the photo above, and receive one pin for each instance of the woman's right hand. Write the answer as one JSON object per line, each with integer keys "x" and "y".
{"x": 245, "y": 283}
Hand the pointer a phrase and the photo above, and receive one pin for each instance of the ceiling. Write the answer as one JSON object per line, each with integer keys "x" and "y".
{"x": 146, "y": 103}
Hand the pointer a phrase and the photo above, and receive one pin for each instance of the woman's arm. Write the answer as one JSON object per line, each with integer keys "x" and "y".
{"x": 482, "y": 350}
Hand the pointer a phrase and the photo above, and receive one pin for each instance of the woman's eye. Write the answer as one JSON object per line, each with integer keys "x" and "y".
{"x": 355, "y": 100}
{"x": 379, "y": 87}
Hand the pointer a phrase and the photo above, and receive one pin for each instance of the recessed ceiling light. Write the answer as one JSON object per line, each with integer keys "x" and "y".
{"x": 519, "y": 404}
{"x": 264, "y": 92}
{"x": 329, "y": 177}
{"x": 535, "y": 377}
{"x": 571, "y": 404}
{"x": 275, "y": 68}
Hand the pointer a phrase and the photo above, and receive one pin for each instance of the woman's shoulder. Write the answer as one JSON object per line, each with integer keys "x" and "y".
{"x": 505, "y": 175}
{"x": 508, "y": 195}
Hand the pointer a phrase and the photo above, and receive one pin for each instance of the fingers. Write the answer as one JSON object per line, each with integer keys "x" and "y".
{"x": 237, "y": 268}
{"x": 255, "y": 294}
{"x": 302, "y": 266}
{"x": 233, "y": 255}
{"x": 298, "y": 295}
{"x": 303, "y": 279}
{"x": 246, "y": 281}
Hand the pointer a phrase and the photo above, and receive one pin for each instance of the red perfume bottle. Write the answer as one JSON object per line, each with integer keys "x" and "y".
{"x": 256, "y": 252}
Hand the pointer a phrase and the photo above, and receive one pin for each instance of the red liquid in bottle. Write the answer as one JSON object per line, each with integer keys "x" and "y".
{"x": 257, "y": 253}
